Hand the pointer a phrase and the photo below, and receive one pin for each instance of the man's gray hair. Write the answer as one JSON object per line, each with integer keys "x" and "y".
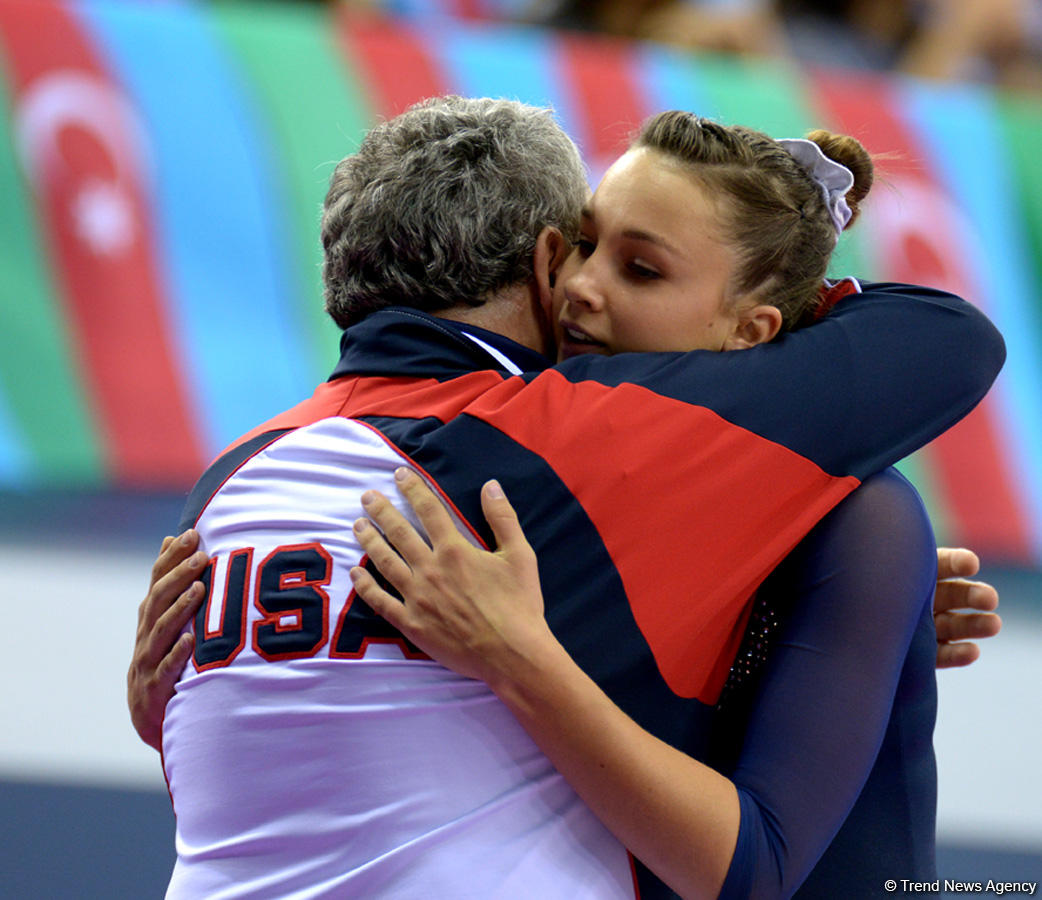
{"x": 442, "y": 205}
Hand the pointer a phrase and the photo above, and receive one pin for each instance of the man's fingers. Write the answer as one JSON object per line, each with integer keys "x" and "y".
{"x": 502, "y": 519}
{"x": 380, "y": 601}
{"x": 956, "y": 562}
{"x": 966, "y": 626}
{"x": 954, "y": 656}
{"x": 963, "y": 594}
{"x": 382, "y": 555}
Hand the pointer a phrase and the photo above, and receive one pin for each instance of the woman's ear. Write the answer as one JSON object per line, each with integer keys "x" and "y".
{"x": 754, "y": 325}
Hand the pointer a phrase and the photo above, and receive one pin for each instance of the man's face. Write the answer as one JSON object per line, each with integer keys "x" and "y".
{"x": 650, "y": 270}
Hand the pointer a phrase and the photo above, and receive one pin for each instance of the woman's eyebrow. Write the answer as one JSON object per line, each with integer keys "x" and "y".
{"x": 634, "y": 234}
{"x": 639, "y": 234}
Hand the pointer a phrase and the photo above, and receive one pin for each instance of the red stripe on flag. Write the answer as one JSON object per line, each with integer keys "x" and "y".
{"x": 609, "y": 106}
{"x": 82, "y": 149}
{"x": 923, "y": 247}
{"x": 394, "y": 63}
{"x": 472, "y": 10}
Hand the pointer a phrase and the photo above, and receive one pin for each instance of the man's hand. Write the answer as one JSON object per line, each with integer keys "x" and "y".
{"x": 957, "y": 630}
{"x": 160, "y": 650}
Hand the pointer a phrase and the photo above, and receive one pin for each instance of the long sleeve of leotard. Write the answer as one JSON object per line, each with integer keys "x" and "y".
{"x": 848, "y": 601}
{"x": 896, "y": 813}
{"x": 883, "y": 374}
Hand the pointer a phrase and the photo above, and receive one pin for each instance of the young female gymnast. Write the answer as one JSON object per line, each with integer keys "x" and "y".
{"x": 600, "y": 635}
{"x": 688, "y": 243}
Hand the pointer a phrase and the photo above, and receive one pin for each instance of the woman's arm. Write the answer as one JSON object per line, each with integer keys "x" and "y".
{"x": 816, "y": 732}
{"x": 161, "y": 649}
{"x": 848, "y": 601}
{"x": 886, "y": 371}
{"x": 481, "y": 614}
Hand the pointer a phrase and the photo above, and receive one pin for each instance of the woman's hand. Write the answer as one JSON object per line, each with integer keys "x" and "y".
{"x": 160, "y": 649}
{"x": 477, "y": 612}
{"x": 481, "y": 614}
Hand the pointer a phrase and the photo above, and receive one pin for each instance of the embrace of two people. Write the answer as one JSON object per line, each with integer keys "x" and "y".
{"x": 700, "y": 660}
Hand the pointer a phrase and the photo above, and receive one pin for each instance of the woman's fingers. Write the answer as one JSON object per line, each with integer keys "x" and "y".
{"x": 173, "y": 552}
{"x": 160, "y": 651}
{"x": 382, "y": 555}
{"x": 381, "y": 602}
{"x": 171, "y": 602}
{"x": 171, "y": 574}
{"x": 177, "y": 614}
{"x": 170, "y": 667}
{"x": 427, "y": 505}
{"x": 502, "y": 519}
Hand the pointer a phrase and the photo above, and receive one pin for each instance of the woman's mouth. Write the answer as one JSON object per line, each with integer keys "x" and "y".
{"x": 575, "y": 341}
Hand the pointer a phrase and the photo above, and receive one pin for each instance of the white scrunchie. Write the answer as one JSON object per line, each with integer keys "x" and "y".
{"x": 834, "y": 178}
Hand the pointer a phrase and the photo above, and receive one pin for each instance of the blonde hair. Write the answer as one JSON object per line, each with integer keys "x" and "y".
{"x": 777, "y": 216}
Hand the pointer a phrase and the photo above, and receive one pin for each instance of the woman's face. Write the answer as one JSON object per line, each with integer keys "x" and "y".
{"x": 651, "y": 270}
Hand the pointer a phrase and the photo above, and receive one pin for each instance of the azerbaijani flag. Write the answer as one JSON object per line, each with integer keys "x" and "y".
{"x": 163, "y": 168}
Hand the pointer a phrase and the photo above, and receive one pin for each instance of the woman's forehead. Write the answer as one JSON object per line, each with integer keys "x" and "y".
{"x": 647, "y": 194}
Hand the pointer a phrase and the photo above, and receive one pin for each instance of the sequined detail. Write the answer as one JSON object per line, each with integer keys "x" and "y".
{"x": 752, "y": 653}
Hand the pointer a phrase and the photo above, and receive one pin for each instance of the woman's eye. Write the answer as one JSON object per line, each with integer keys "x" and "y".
{"x": 643, "y": 272}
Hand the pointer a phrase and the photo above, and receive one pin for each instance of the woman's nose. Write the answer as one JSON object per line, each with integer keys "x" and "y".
{"x": 582, "y": 289}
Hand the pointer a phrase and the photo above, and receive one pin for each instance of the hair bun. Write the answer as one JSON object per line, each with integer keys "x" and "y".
{"x": 848, "y": 151}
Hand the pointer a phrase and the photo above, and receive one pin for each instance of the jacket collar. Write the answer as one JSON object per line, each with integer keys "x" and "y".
{"x": 399, "y": 341}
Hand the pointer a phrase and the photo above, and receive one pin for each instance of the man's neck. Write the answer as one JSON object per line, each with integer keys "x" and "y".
{"x": 511, "y": 313}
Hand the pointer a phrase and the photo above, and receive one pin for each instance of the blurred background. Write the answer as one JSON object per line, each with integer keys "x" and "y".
{"x": 162, "y": 168}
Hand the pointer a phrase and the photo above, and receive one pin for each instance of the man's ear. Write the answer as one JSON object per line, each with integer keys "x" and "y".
{"x": 754, "y": 325}
{"x": 551, "y": 250}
